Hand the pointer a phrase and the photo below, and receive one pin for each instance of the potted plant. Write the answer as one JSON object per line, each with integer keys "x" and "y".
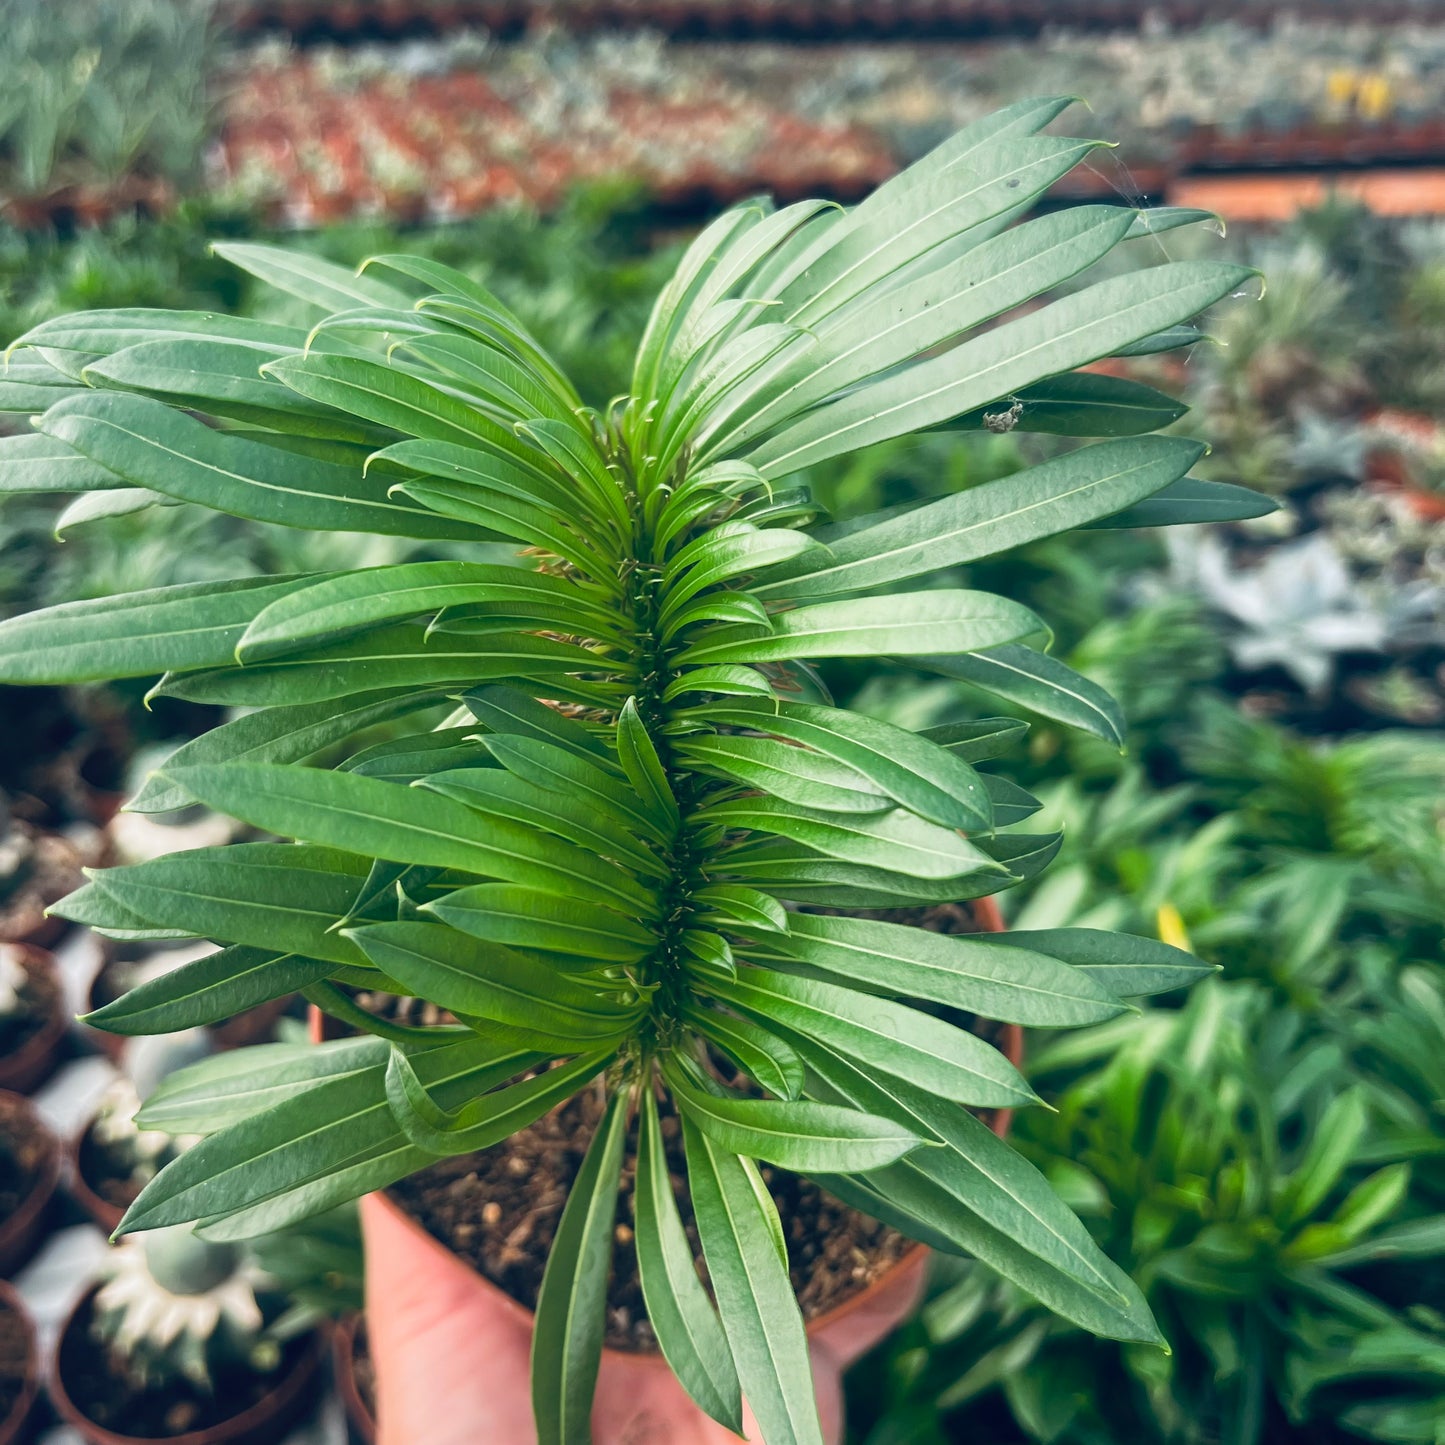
{"x": 29, "y": 1172}
{"x": 614, "y": 841}
{"x": 180, "y": 1342}
{"x": 19, "y": 1367}
{"x": 33, "y": 1017}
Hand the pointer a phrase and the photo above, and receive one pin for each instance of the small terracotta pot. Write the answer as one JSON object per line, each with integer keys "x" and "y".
{"x": 263, "y": 1423}
{"x": 15, "y": 1425}
{"x": 35, "y": 1060}
{"x": 21, "y": 1233}
{"x": 846, "y": 1332}
{"x": 359, "y": 1418}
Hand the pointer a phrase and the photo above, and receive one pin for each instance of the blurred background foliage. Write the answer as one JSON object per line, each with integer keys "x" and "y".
{"x": 1266, "y": 1155}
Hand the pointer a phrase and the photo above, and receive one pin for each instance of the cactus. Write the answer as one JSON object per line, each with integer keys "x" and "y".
{"x": 177, "y": 1307}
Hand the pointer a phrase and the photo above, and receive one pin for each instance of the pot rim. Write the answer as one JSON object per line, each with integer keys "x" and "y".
{"x": 105, "y": 1215}
{"x": 343, "y": 1372}
{"x": 27, "y": 1066}
{"x": 235, "y": 1427}
{"x": 48, "y": 1179}
{"x": 14, "y": 1421}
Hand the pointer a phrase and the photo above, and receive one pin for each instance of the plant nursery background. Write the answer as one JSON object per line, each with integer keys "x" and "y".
{"x": 1266, "y": 1154}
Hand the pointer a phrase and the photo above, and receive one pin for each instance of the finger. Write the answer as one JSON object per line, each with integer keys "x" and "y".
{"x": 450, "y": 1354}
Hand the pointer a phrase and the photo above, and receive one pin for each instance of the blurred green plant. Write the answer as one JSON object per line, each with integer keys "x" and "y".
{"x": 98, "y": 90}
{"x": 1250, "y": 1172}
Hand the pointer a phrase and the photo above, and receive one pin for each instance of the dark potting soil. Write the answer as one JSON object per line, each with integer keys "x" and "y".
{"x": 40, "y": 1001}
{"x": 15, "y": 1360}
{"x": 23, "y": 1150}
{"x": 499, "y": 1210}
{"x": 98, "y": 1386}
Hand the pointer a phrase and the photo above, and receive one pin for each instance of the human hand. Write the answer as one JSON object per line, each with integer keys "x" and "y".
{"x": 451, "y": 1355}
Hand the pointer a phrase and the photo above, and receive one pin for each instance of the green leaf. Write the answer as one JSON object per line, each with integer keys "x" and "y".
{"x": 1171, "y": 338}
{"x": 572, "y": 1305}
{"x": 392, "y": 397}
{"x": 1158, "y": 219}
{"x": 488, "y": 981}
{"x": 897, "y": 840}
{"x": 687, "y": 1328}
{"x": 38, "y": 463}
{"x": 729, "y": 905}
{"x": 525, "y": 918}
{"x": 497, "y": 793}
{"x": 484, "y": 1121}
{"x": 225, "y": 1088}
{"x": 224, "y": 378}
{"x": 207, "y": 990}
{"x": 153, "y": 445}
{"x": 902, "y": 625}
{"x": 755, "y": 1299}
{"x": 1125, "y": 964}
{"x": 911, "y": 770}
{"x": 400, "y": 656}
{"x": 1078, "y": 404}
{"x": 267, "y": 895}
{"x": 1192, "y": 500}
{"x": 195, "y": 624}
{"x": 763, "y": 1056}
{"x": 802, "y": 1136}
{"x": 1039, "y": 683}
{"x": 505, "y": 710}
{"x": 274, "y": 735}
{"x": 72, "y": 342}
{"x": 885, "y": 1036}
{"x": 994, "y": 1205}
{"x": 550, "y": 766}
{"x": 361, "y": 600}
{"x": 332, "y": 1141}
{"x": 644, "y": 768}
{"x": 418, "y": 756}
{"x": 729, "y": 681}
{"x": 1040, "y": 502}
{"x": 322, "y": 283}
{"x": 796, "y": 774}
{"x": 978, "y": 740}
{"x": 29, "y": 384}
{"x": 404, "y": 825}
{"x": 97, "y": 506}
{"x": 1081, "y": 327}
{"x": 1023, "y": 986}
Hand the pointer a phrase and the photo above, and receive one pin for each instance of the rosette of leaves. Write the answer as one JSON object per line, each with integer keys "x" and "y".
{"x": 600, "y": 860}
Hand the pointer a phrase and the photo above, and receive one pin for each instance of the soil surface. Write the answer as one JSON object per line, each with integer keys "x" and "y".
{"x": 499, "y": 1208}
{"x": 51, "y": 870}
{"x": 23, "y": 1151}
{"x": 97, "y": 1385}
{"x": 40, "y": 1001}
{"x": 15, "y": 1361}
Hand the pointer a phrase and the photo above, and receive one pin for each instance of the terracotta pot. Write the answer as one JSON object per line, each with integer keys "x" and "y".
{"x": 34, "y": 1061}
{"x": 263, "y": 1423}
{"x": 846, "y": 1332}
{"x": 359, "y": 1418}
{"x": 21, "y": 1233}
{"x": 106, "y": 1215}
{"x": 15, "y": 1424}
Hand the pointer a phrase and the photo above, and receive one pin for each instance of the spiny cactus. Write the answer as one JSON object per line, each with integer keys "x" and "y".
{"x": 179, "y": 1307}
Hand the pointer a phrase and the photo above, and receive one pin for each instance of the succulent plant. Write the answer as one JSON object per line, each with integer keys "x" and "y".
{"x": 178, "y": 1307}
